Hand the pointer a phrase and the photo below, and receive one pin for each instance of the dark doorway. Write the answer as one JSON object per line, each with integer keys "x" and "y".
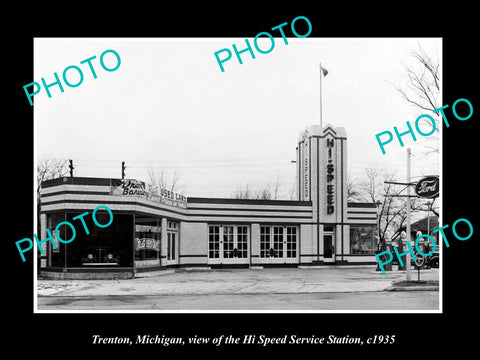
{"x": 327, "y": 246}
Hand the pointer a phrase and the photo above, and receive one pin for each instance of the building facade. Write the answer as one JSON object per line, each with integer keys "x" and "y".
{"x": 152, "y": 231}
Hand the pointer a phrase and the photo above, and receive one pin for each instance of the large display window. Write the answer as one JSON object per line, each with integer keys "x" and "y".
{"x": 147, "y": 242}
{"x": 110, "y": 246}
{"x": 362, "y": 239}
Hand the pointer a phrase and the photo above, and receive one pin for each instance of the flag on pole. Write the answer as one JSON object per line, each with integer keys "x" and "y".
{"x": 325, "y": 72}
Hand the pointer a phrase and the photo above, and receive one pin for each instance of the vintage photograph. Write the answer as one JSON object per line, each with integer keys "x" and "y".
{"x": 266, "y": 174}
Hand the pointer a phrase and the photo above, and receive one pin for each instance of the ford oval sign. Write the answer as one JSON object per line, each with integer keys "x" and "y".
{"x": 428, "y": 187}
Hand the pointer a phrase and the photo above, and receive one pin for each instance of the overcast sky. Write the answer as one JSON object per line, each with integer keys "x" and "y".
{"x": 169, "y": 105}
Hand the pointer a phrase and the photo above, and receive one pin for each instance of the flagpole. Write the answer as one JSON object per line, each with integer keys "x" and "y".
{"x": 321, "y": 109}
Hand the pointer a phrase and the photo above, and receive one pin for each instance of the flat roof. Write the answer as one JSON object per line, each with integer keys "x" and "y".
{"x": 108, "y": 182}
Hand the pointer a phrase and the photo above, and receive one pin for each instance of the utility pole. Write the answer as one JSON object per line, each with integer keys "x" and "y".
{"x": 407, "y": 266}
{"x": 123, "y": 169}
{"x": 71, "y": 167}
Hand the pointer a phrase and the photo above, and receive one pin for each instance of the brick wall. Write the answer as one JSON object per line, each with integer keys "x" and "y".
{"x": 306, "y": 244}
{"x": 255, "y": 240}
{"x": 193, "y": 243}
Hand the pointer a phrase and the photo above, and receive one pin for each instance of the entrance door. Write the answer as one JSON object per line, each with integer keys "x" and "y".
{"x": 228, "y": 244}
{"x": 278, "y": 244}
{"x": 172, "y": 247}
{"x": 328, "y": 248}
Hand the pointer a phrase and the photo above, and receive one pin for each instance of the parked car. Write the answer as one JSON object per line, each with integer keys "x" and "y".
{"x": 100, "y": 256}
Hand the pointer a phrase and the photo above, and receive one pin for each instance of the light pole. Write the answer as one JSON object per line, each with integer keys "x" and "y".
{"x": 419, "y": 263}
{"x": 403, "y": 236}
{"x": 409, "y": 277}
{"x": 377, "y": 204}
{"x": 380, "y": 242}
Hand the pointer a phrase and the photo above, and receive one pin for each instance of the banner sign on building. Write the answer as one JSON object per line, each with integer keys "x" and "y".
{"x": 147, "y": 228}
{"x": 147, "y": 244}
{"x": 131, "y": 187}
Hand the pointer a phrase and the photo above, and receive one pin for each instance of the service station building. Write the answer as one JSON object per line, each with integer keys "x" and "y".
{"x": 153, "y": 231}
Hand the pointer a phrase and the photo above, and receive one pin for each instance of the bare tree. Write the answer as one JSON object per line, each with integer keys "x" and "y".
{"x": 422, "y": 90}
{"x": 423, "y": 82}
{"x": 430, "y": 205}
{"x": 293, "y": 191}
{"x": 353, "y": 189}
{"x": 270, "y": 191}
{"x": 265, "y": 193}
{"x": 48, "y": 168}
{"x": 248, "y": 193}
{"x": 243, "y": 193}
{"x": 393, "y": 206}
{"x": 276, "y": 188}
{"x": 163, "y": 179}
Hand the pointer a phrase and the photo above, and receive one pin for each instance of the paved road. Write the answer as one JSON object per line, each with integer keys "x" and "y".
{"x": 379, "y": 300}
{"x": 326, "y": 288}
{"x": 237, "y": 281}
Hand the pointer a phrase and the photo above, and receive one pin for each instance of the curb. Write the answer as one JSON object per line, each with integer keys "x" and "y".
{"x": 193, "y": 269}
{"x": 411, "y": 288}
{"x": 402, "y": 272}
{"x": 148, "y": 274}
{"x": 353, "y": 266}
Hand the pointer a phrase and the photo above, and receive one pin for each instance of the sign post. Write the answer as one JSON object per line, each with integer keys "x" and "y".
{"x": 408, "y": 265}
{"x": 428, "y": 187}
{"x": 419, "y": 265}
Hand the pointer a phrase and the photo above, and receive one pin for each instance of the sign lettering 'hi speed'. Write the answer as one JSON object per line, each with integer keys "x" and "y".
{"x": 428, "y": 187}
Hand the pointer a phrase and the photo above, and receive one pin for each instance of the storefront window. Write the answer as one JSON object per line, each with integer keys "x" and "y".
{"x": 265, "y": 241}
{"x": 362, "y": 240}
{"x": 111, "y": 246}
{"x": 57, "y": 255}
{"x": 274, "y": 238}
{"x": 277, "y": 241}
{"x": 172, "y": 240}
{"x": 242, "y": 241}
{"x": 147, "y": 242}
{"x": 214, "y": 242}
{"x": 228, "y": 242}
{"x": 291, "y": 241}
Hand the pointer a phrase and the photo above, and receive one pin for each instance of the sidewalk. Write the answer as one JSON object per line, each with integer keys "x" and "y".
{"x": 429, "y": 280}
{"x": 242, "y": 281}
